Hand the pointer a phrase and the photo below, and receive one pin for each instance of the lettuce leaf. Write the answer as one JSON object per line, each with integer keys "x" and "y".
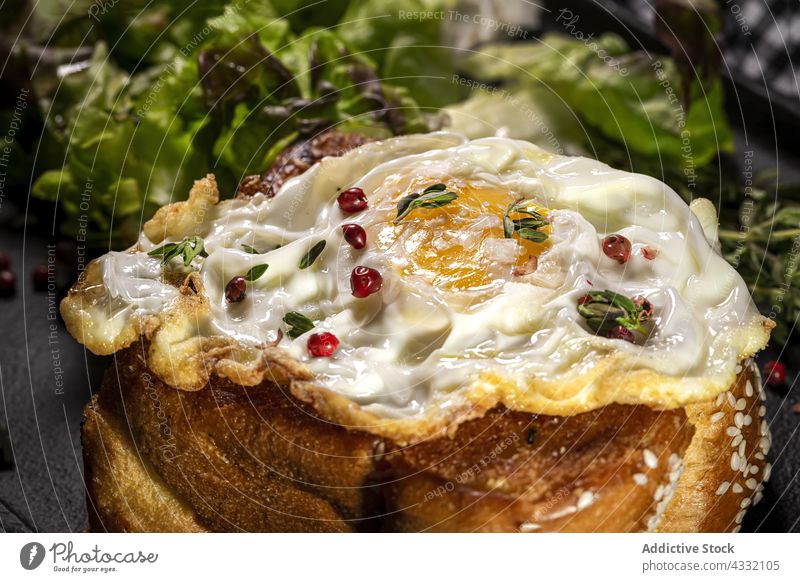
{"x": 408, "y": 51}
{"x": 126, "y": 152}
{"x": 227, "y": 100}
{"x": 625, "y": 97}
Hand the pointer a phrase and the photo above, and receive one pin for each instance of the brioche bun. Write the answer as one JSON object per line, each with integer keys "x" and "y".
{"x": 233, "y": 458}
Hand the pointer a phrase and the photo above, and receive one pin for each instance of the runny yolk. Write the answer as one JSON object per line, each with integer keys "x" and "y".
{"x": 448, "y": 245}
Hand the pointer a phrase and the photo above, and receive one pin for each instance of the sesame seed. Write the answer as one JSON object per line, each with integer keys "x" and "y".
{"x": 762, "y": 410}
{"x": 760, "y": 456}
{"x": 741, "y": 448}
{"x": 753, "y": 468}
{"x": 748, "y": 420}
{"x": 659, "y": 494}
{"x": 585, "y": 500}
{"x": 751, "y": 483}
{"x": 738, "y": 368}
{"x": 758, "y": 497}
{"x": 717, "y": 416}
{"x": 735, "y": 461}
{"x": 733, "y": 431}
{"x": 738, "y": 419}
{"x": 723, "y": 487}
{"x": 737, "y": 439}
{"x": 640, "y": 479}
{"x": 764, "y": 428}
{"x": 763, "y": 444}
{"x": 745, "y": 502}
{"x": 650, "y": 459}
{"x": 719, "y": 399}
{"x": 737, "y": 488}
{"x": 731, "y": 399}
{"x": 767, "y": 471}
{"x": 653, "y": 522}
{"x": 748, "y": 389}
{"x": 739, "y": 518}
{"x": 740, "y": 404}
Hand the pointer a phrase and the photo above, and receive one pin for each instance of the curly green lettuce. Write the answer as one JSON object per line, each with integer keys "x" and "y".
{"x": 592, "y": 93}
{"x": 228, "y": 100}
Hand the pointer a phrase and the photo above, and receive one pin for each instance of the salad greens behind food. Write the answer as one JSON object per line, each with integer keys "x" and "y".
{"x": 223, "y": 88}
{"x": 135, "y": 100}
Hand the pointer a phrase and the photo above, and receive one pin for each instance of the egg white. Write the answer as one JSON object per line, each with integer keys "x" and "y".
{"x": 406, "y": 348}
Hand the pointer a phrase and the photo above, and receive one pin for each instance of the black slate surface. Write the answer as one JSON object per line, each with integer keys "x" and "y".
{"x": 45, "y": 380}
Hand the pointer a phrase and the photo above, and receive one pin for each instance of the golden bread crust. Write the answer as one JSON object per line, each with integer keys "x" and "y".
{"x": 298, "y": 158}
{"x": 124, "y": 492}
{"x": 182, "y": 219}
{"x": 258, "y": 459}
{"x": 725, "y": 470}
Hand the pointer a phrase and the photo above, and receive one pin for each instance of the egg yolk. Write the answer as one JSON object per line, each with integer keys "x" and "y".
{"x": 461, "y": 245}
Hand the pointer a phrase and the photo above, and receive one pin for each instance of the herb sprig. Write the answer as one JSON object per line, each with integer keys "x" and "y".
{"x": 256, "y": 272}
{"x": 527, "y": 228}
{"x": 188, "y": 249}
{"x": 759, "y": 235}
{"x": 298, "y": 324}
{"x": 605, "y": 310}
{"x": 434, "y": 196}
{"x": 311, "y": 256}
{"x": 250, "y": 250}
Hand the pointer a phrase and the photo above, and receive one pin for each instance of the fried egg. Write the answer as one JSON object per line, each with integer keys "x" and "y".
{"x": 465, "y": 314}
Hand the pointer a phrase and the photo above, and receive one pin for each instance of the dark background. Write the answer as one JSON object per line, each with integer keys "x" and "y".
{"x": 46, "y": 377}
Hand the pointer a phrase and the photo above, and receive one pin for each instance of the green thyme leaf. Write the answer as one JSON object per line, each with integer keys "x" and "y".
{"x": 435, "y": 200}
{"x": 311, "y": 256}
{"x": 251, "y": 250}
{"x": 254, "y": 273}
{"x": 188, "y": 248}
{"x": 528, "y": 223}
{"x": 430, "y": 199}
{"x": 604, "y": 310}
{"x": 405, "y": 202}
{"x": 532, "y": 235}
{"x": 622, "y": 302}
{"x": 298, "y": 324}
{"x": 535, "y": 215}
{"x": 435, "y": 188}
{"x": 168, "y": 251}
{"x": 193, "y": 246}
{"x": 527, "y": 228}
{"x": 508, "y": 227}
